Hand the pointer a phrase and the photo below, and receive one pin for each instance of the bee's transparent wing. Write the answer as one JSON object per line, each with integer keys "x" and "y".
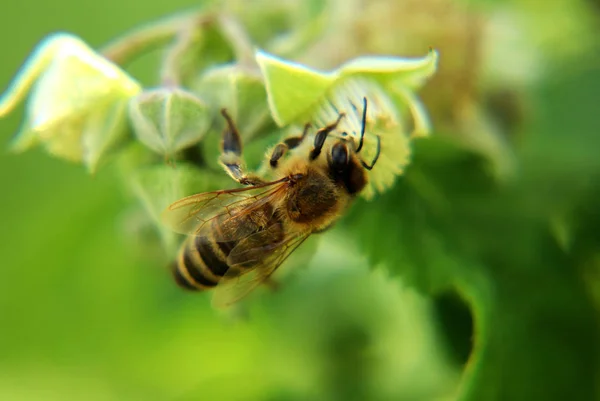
{"x": 190, "y": 214}
{"x": 252, "y": 262}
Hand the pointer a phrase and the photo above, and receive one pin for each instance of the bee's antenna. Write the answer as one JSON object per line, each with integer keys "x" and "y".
{"x": 370, "y": 166}
{"x": 363, "y": 125}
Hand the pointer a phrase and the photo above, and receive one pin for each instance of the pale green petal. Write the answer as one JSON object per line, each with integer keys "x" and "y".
{"x": 103, "y": 132}
{"x": 168, "y": 120}
{"x": 411, "y": 72}
{"x": 421, "y": 123}
{"x": 66, "y": 143}
{"x": 26, "y": 139}
{"x": 291, "y": 88}
{"x": 31, "y": 69}
{"x": 89, "y": 142}
{"x": 64, "y": 61}
{"x": 73, "y": 85}
{"x": 75, "y": 103}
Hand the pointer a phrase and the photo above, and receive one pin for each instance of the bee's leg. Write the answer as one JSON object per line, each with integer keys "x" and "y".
{"x": 321, "y": 136}
{"x": 231, "y": 154}
{"x": 287, "y": 144}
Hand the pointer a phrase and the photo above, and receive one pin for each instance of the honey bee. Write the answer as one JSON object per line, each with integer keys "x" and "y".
{"x": 239, "y": 237}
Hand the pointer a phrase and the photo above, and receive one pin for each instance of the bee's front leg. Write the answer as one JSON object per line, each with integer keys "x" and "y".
{"x": 287, "y": 144}
{"x": 321, "y": 136}
{"x": 231, "y": 154}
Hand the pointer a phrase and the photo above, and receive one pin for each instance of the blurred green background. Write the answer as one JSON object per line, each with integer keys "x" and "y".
{"x": 385, "y": 309}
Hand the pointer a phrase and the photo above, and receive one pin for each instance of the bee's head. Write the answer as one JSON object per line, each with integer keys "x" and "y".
{"x": 347, "y": 167}
{"x": 345, "y": 164}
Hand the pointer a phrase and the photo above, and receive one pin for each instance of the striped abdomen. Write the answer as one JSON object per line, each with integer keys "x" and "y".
{"x": 203, "y": 259}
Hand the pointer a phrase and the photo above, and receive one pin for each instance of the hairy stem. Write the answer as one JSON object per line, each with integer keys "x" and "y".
{"x": 155, "y": 34}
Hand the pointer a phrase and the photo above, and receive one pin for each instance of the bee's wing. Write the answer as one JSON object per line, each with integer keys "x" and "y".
{"x": 190, "y": 214}
{"x": 239, "y": 281}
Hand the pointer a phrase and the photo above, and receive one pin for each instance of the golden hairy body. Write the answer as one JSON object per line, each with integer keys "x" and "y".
{"x": 239, "y": 237}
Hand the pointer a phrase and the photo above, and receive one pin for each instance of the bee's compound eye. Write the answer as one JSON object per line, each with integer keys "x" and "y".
{"x": 339, "y": 155}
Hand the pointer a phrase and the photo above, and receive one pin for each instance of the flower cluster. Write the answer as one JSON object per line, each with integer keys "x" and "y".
{"x": 81, "y": 105}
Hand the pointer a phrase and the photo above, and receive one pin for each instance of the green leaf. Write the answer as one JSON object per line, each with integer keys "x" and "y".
{"x": 379, "y": 343}
{"x": 448, "y": 225}
{"x": 168, "y": 120}
{"x": 537, "y": 336}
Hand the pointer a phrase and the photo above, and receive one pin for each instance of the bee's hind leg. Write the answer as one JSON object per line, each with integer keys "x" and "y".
{"x": 231, "y": 154}
{"x": 289, "y": 143}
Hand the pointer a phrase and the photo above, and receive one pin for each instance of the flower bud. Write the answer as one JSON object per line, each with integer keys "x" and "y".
{"x": 76, "y": 101}
{"x": 168, "y": 120}
{"x": 240, "y": 90}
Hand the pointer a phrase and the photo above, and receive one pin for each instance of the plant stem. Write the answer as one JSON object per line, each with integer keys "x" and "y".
{"x": 155, "y": 34}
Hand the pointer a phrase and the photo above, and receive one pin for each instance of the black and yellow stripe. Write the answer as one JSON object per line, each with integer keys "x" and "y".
{"x": 200, "y": 266}
{"x": 189, "y": 271}
{"x": 202, "y": 261}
